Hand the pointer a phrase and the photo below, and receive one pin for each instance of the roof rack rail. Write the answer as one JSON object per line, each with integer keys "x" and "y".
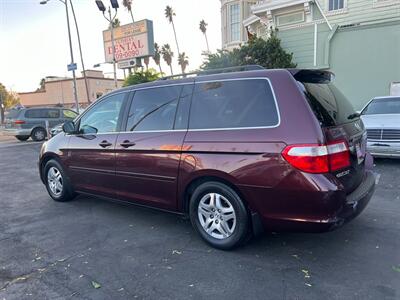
{"x": 216, "y": 71}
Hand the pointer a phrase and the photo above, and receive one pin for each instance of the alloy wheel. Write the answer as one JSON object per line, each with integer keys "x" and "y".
{"x": 217, "y": 216}
{"x": 40, "y": 135}
{"x": 55, "y": 181}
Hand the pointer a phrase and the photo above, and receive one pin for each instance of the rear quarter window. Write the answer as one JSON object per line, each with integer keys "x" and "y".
{"x": 329, "y": 105}
{"x": 233, "y": 104}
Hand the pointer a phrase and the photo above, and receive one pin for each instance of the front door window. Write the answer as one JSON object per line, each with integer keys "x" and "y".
{"x": 103, "y": 117}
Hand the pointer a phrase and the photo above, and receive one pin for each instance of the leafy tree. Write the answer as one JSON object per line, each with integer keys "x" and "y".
{"x": 41, "y": 85}
{"x": 157, "y": 56}
{"x": 128, "y": 5}
{"x": 203, "y": 28}
{"x": 167, "y": 55}
{"x": 141, "y": 77}
{"x": 170, "y": 14}
{"x": 267, "y": 53}
{"x": 9, "y": 99}
{"x": 183, "y": 61}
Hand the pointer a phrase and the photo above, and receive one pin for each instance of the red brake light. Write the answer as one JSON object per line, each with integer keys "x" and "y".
{"x": 18, "y": 122}
{"x": 314, "y": 158}
{"x": 339, "y": 155}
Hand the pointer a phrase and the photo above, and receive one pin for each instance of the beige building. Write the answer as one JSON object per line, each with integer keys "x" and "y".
{"x": 59, "y": 90}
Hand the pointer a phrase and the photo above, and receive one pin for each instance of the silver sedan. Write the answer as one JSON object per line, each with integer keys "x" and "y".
{"x": 381, "y": 117}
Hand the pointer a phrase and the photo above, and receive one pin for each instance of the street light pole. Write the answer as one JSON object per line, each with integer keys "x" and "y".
{"x": 110, "y": 19}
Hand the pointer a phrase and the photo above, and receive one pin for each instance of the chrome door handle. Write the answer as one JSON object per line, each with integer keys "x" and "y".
{"x": 105, "y": 144}
{"x": 127, "y": 144}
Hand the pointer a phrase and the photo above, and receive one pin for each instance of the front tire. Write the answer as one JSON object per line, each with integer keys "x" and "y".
{"x": 57, "y": 182}
{"x": 219, "y": 215}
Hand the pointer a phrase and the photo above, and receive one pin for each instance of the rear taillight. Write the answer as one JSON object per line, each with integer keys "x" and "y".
{"x": 314, "y": 158}
{"x": 19, "y": 122}
{"x": 339, "y": 155}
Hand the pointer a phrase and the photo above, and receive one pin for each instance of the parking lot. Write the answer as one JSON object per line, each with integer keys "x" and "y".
{"x": 96, "y": 249}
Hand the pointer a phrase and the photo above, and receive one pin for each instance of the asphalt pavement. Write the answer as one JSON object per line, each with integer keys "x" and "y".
{"x": 95, "y": 249}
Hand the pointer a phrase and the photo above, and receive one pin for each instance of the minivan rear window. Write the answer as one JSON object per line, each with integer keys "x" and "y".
{"x": 233, "y": 104}
{"x": 329, "y": 105}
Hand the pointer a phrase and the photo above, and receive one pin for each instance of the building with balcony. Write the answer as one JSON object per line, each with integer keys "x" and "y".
{"x": 358, "y": 40}
{"x": 59, "y": 90}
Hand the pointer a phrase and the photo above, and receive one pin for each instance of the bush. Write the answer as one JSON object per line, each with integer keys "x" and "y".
{"x": 267, "y": 53}
{"x": 141, "y": 77}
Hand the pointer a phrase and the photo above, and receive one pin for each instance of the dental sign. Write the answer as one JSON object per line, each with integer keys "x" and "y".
{"x": 133, "y": 40}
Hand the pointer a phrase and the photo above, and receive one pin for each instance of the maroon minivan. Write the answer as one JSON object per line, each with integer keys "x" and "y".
{"x": 238, "y": 152}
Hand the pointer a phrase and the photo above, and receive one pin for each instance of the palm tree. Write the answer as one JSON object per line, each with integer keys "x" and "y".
{"x": 128, "y": 6}
{"x": 167, "y": 55}
{"x": 183, "y": 61}
{"x": 157, "y": 56}
{"x": 203, "y": 29}
{"x": 146, "y": 61}
{"x": 115, "y": 23}
{"x": 169, "y": 14}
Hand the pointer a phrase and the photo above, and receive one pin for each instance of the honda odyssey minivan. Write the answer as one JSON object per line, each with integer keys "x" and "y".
{"x": 237, "y": 152}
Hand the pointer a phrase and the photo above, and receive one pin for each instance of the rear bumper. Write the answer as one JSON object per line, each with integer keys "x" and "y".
{"x": 17, "y": 132}
{"x": 384, "y": 149}
{"x": 355, "y": 202}
{"x": 317, "y": 211}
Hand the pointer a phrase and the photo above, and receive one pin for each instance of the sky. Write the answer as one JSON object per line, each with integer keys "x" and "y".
{"x": 34, "y": 40}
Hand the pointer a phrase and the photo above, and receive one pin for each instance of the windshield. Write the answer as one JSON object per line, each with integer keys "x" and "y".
{"x": 329, "y": 105}
{"x": 383, "y": 106}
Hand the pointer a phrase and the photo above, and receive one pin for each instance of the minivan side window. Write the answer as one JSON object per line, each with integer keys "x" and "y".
{"x": 53, "y": 113}
{"x": 233, "y": 104}
{"x": 102, "y": 117}
{"x": 153, "y": 109}
{"x": 42, "y": 113}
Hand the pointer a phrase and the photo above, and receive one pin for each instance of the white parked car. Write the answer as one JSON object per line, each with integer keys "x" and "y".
{"x": 381, "y": 117}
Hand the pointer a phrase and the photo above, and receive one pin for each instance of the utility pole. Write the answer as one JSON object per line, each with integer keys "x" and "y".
{"x": 80, "y": 52}
{"x": 65, "y": 2}
{"x": 72, "y": 59}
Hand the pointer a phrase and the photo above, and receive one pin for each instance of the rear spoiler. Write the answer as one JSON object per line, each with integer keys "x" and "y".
{"x": 312, "y": 76}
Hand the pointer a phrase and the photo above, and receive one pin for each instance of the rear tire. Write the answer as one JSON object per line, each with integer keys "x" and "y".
{"x": 57, "y": 182}
{"x": 22, "y": 138}
{"x": 38, "y": 134}
{"x": 219, "y": 215}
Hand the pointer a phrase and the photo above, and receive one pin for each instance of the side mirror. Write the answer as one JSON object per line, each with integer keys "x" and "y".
{"x": 69, "y": 127}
